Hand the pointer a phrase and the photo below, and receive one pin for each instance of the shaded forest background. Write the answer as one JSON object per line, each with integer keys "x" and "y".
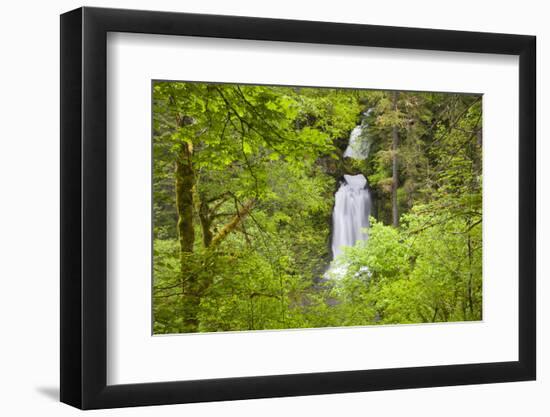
{"x": 243, "y": 189}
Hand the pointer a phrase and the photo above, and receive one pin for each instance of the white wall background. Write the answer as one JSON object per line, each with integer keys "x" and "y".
{"x": 29, "y": 225}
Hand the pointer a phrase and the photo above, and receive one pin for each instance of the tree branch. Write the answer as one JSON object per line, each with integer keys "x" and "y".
{"x": 232, "y": 225}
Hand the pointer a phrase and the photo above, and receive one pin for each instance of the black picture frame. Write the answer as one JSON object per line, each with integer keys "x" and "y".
{"x": 84, "y": 207}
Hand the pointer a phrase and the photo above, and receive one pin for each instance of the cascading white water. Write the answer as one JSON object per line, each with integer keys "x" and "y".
{"x": 352, "y": 204}
{"x": 358, "y": 145}
{"x": 350, "y": 217}
{"x": 357, "y": 148}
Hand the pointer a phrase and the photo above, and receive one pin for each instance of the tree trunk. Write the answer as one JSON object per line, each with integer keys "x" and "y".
{"x": 185, "y": 182}
{"x": 395, "y": 179}
{"x": 206, "y": 222}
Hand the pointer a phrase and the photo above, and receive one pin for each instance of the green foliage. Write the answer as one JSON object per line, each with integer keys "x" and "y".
{"x": 265, "y": 162}
{"x": 429, "y": 270}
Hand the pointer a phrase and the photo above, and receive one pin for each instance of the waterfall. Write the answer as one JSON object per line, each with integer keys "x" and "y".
{"x": 352, "y": 202}
{"x": 350, "y": 217}
{"x": 358, "y": 145}
{"x": 357, "y": 148}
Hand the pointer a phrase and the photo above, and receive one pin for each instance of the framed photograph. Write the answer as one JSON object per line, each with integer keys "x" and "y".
{"x": 257, "y": 208}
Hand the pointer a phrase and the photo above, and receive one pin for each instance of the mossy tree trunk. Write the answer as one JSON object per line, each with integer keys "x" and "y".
{"x": 206, "y": 222}
{"x": 184, "y": 184}
{"x": 185, "y": 181}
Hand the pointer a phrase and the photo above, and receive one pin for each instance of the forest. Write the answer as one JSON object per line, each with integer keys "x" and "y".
{"x": 281, "y": 207}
